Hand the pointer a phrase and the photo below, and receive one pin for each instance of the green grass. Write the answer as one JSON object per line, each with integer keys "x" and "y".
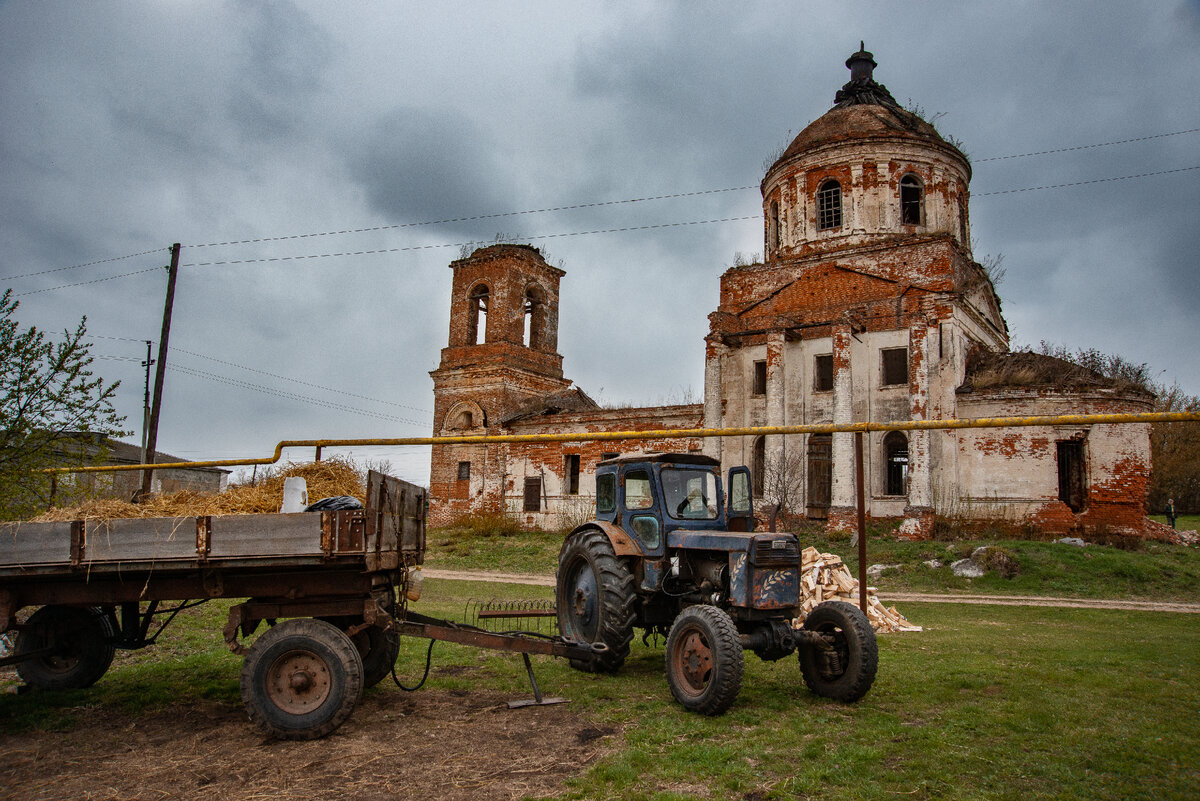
{"x": 1182, "y": 522}
{"x": 986, "y": 703}
{"x": 1157, "y": 571}
{"x": 497, "y": 548}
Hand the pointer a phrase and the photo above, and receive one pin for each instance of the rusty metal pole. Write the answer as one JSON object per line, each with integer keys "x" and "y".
{"x": 862, "y": 521}
{"x": 161, "y": 369}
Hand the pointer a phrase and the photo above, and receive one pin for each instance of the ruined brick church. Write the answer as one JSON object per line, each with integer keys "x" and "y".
{"x": 868, "y": 305}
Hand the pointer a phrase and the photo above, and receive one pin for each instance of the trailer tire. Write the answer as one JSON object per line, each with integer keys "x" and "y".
{"x": 704, "y": 660}
{"x": 301, "y": 679}
{"x": 83, "y": 643}
{"x": 853, "y": 641}
{"x": 594, "y": 596}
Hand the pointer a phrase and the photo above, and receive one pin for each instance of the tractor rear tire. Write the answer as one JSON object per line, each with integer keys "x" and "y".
{"x": 704, "y": 660}
{"x": 849, "y": 676}
{"x": 83, "y": 647}
{"x": 301, "y": 679}
{"x": 595, "y": 597}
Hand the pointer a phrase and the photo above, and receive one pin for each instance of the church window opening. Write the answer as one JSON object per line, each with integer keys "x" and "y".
{"x": 465, "y": 420}
{"x": 823, "y": 373}
{"x": 572, "y": 470}
{"x": 534, "y": 335}
{"x": 910, "y": 200}
{"x": 758, "y": 466}
{"x": 829, "y": 206}
{"x": 464, "y": 471}
{"x": 895, "y": 366}
{"x": 760, "y": 378}
{"x": 477, "y": 315}
{"x": 895, "y": 446}
{"x": 533, "y": 495}
{"x": 774, "y": 232}
{"x": 1070, "y": 474}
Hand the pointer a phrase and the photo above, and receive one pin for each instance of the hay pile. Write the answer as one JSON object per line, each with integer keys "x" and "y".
{"x": 335, "y": 476}
{"x": 824, "y": 577}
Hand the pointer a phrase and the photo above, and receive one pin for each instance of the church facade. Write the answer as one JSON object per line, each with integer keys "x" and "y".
{"x": 868, "y": 305}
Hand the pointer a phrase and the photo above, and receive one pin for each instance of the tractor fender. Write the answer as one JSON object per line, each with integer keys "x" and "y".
{"x": 622, "y": 543}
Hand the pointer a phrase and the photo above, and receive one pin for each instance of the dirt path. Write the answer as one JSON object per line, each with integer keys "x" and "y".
{"x": 434, "y": 744}
{"x": 891, "y": 597}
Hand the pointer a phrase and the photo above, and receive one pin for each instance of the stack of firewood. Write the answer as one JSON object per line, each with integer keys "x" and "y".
{"x": 824, "y": 577}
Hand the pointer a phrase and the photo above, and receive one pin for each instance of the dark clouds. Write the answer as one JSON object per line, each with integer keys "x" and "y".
{"x": 125, "y": 127}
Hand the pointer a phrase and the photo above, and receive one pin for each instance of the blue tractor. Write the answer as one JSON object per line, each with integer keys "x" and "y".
{"x": 669, "y": 555}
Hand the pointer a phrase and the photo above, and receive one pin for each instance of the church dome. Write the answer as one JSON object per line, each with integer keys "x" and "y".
{"x": 863, "y": 109}
{"x": 865, "y": 170}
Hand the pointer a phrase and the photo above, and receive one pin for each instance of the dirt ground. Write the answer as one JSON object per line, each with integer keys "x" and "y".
{"x": 428, "y": 744}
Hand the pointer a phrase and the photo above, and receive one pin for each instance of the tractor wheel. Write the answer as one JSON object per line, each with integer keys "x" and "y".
{"x": 847, "y": 671}
{"x": 83, "y": 647}
{"x": 301, "y": 679}
{"x": 595, "y": 599}
{"x": 704, "y": 660}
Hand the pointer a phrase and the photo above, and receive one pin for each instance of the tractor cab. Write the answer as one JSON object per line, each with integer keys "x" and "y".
{"x": 650, "y": 495}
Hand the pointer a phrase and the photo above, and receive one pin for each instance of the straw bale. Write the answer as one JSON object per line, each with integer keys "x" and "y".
{"x": 336, "y": 476}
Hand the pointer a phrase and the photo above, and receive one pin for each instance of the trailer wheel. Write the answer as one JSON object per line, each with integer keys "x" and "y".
{"x": 377, "y": 648}
{"x": 704, "y": 660}
{"x": 594, "y": 595}
{"x": 846, "y": 671}
{"x": 301, "y": 679}
{"x": 82, "y": 639}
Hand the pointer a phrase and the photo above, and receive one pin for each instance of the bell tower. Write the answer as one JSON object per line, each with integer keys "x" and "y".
{"x": 502, "y": 352}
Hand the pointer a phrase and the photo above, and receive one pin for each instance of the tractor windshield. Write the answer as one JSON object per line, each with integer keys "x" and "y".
{"x": 690, "y": 494}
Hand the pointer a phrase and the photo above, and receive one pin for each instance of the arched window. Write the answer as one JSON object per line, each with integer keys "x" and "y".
{"x": 773, "y": 234}
{"x": 895, "y": 445}
{"x": 534, "y": 335}
{"x": 477, "y": 308}
{"x": 911, "y": 205}
{"x": 829, "y": 206}
{"x": 758, "y": 467}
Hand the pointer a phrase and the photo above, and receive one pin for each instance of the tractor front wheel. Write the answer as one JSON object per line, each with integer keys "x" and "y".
{"x": 704, "y": 660}
{"x": 844, "y": 668}
{"x": 595, "y": 598}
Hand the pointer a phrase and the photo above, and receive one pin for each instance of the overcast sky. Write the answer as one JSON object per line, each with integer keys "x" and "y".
{"x": 411, "y": 129}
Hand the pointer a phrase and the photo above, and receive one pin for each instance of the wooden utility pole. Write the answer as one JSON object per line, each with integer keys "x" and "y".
{"x": 152, "y": 439}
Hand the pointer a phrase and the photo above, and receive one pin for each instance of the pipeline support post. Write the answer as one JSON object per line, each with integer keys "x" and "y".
{"x": 862, "y": 521}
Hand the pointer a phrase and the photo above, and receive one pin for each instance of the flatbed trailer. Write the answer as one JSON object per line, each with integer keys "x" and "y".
{"x": 332, "y": 585}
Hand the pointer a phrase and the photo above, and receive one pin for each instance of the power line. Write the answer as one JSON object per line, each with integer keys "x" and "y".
{"x": 479, "y": 217}
{"x": 289, "y": 395}
{"x": 85, "y": 264}
{"x": 560, "y": 235}
{"x": 461, "y": 244}
{"x": 567, "y": 207}
{"x": 1086, "y": 147}
{"x": 302, "y": 383}
{"x": 85, "y": 283}
{"x": 261, "y": 372}
{"x": 1084, "y": 183}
